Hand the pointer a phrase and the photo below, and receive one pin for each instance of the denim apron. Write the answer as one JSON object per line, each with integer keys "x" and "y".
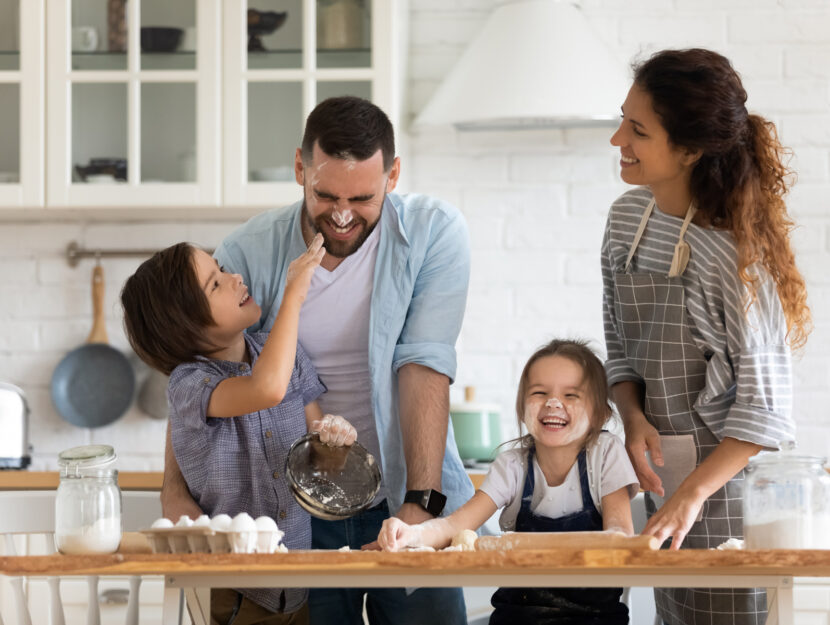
{"x": 660, "y": 347}
{"x": 560, "y": 606}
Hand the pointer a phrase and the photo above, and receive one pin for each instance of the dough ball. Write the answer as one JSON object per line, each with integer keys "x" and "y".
{"x": 466, "y": 539}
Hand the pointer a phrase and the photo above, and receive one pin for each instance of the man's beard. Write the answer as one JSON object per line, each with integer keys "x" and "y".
{"x": 334, "y": 247}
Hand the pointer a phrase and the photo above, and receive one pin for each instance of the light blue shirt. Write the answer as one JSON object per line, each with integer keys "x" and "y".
{"x": 418, "y": 298}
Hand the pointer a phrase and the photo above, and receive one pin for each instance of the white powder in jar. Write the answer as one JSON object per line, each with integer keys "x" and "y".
{"x": 103, "y": 536}
{"x": 791, "y": 532}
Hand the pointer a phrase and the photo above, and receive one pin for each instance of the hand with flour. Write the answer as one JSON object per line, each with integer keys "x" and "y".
{"x": 334, "y": 431}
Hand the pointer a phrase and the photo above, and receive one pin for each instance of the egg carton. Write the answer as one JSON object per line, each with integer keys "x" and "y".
{"x": 208, "y": 540}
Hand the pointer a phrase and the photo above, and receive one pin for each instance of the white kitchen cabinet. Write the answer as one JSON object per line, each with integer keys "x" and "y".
{"x": 22, "y": 108}
{"x": 267, "y": 95}
{"x": 110, "y": 98}
{"x": 209, "y": 124}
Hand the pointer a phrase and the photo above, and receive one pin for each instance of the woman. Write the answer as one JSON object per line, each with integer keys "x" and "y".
{"x": 703, "y": 302}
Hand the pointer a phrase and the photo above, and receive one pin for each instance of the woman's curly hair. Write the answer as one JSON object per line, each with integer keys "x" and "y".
{"x": 740, "y": 180}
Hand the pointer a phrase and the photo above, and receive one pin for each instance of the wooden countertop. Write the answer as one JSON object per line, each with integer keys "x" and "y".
{"x": 127, "y": 480}
{"x": 48, "y": 480}
{"x": 306, "y": 564}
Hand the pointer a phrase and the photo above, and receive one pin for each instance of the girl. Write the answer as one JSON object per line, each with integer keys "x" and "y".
{"x": 702, "y": 303}
{"x": 237, "y": 401}
{"x": 566, "y": 475}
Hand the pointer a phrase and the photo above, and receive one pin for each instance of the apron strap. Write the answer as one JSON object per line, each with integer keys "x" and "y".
{"x": 527, "y": 491}
{"x": 640, "y": 229}
{"x": 681, "y": 249}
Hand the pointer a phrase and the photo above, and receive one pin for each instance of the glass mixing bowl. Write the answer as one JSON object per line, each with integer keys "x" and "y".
{"x": 331, "y": 483}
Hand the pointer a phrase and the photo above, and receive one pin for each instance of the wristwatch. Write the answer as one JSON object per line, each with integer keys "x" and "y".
{"x": 430, "y": 500}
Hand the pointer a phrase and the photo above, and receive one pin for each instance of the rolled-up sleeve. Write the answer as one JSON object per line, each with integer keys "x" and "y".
{"x": 755, "y": 373}
{"x": 436, "y": 310}
{"x": 617, "y": 368}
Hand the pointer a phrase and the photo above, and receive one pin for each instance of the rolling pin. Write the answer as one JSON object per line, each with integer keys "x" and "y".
{"x": 565, "y": 540}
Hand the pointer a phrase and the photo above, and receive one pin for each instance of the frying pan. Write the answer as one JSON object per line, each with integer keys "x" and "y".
{"x": 93, "y": 385}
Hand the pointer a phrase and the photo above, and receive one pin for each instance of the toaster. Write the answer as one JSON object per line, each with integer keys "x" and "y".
{"x": 14, "y": 423}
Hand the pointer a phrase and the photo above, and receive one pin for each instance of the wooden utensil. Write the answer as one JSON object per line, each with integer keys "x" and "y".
{"x": 565, "y": 540}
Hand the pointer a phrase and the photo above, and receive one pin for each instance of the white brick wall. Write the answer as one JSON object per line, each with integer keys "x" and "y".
{"x": 46, "y": 310}
{"x": 536, "y": 232}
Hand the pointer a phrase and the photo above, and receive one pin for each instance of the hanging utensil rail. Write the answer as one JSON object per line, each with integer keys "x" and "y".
{"x": 75, "y": 253}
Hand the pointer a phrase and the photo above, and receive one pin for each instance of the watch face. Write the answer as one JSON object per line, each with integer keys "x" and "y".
{"x": 432, "y": 501}
{"x": 435, "y": 502}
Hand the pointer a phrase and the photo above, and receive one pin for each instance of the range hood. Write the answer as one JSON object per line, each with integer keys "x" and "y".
{"x": 535, "y": 64}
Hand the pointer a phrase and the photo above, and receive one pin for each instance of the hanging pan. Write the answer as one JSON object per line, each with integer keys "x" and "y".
{"x": 93, "y": 385}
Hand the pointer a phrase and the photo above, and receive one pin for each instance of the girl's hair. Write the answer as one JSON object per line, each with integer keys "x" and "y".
{"x": 741, "y": 178}
{"x": 166, "y": 310}
{"x": 593, "y": 378}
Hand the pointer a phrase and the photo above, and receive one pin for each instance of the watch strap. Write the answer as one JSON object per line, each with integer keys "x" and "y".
{"x": 431, "y": 500}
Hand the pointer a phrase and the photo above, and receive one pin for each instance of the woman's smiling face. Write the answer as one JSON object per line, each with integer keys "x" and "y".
{"x": 557, "y": 404}
{"x": 647, "y": 157}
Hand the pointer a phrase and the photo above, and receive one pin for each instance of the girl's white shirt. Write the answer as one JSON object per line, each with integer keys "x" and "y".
{"x": 609, "y": 469}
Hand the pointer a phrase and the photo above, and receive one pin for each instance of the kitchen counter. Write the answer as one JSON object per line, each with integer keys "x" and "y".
{"x": 48, "y": 480}
{"x": 551, "y": 567}
{"x": 127, "y": 480}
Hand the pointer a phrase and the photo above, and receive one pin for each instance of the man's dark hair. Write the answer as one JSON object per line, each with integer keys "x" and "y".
{"x": 166, "y": 310}
{"x": 349, "y": 127}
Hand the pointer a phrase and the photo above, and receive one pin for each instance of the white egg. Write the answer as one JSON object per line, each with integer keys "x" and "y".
{"x": 266, "y": 524}
{"x": 184, "y": 521}
{"x": 202, "y": 521}
{"x": 221, "y": 523}
{"x": 243, "y": 522}
{"x": 162, "y": 522}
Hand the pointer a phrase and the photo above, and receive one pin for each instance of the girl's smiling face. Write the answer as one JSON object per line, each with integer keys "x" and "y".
{"x": 557, "y": 404}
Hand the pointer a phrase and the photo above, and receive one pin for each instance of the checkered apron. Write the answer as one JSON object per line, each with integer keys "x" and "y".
{"x": 651, "y": 316}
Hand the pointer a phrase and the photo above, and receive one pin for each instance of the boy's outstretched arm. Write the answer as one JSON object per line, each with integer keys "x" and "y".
{"x": 271, "y": 373}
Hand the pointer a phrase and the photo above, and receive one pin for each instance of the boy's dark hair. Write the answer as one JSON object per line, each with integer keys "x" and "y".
{"x": 349, "y": 127}
{"x": 593, "y": 377}
{"x": 165, "y": 310}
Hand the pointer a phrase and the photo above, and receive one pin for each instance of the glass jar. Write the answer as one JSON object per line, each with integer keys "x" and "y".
{"x": 786, "y": 501}
{"x": 88, "y": 501}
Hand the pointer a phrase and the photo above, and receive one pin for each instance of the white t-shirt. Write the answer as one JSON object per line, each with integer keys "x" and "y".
{"x": 334, "y": 331}
{"x": 609, "y": 470}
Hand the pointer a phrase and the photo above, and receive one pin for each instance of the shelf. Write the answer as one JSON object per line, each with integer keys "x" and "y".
{"x": 181, "y": 60}
{"x": 118, "y": 60}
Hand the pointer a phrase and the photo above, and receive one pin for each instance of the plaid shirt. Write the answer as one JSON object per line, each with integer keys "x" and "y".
{"x": 234, "y": 465}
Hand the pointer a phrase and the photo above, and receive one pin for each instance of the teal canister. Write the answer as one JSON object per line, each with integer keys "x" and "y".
{"x": 477, "y": 428}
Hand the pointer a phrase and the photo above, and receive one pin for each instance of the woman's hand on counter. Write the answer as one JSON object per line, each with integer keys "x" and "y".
{"x": 674, "y": 518}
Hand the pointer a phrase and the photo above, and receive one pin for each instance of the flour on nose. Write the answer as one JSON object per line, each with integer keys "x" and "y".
{"x": 554, "y": 404}
{"x": 342, "y": 218}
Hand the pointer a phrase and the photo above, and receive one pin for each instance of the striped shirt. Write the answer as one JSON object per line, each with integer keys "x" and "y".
{"x": 234, "y": 465}
{"x": 748, "y": 389}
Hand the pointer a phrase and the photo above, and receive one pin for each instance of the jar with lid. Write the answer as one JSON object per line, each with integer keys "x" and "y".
{"x": 786, "y": 501}
{"x": 88, "y": 501}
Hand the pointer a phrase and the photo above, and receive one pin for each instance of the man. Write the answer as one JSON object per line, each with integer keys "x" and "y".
{"x": 380, "y": 323}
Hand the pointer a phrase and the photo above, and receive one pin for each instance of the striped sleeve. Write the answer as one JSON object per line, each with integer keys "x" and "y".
{"x": 761, "y": 365}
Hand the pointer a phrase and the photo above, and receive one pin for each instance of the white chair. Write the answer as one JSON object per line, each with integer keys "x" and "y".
{"x": 33, "y": 512}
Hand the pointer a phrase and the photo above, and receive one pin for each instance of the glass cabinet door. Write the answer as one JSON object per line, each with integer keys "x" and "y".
{"x": 133, "y": 102}
{"x": 282, "y": 57}
{"x": 21, "y": 104}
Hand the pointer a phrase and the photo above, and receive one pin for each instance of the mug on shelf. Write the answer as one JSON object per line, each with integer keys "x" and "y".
{"x": 84, "y": 39}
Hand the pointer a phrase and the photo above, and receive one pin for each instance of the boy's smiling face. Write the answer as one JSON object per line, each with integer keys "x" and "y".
{"x": 231, "y": 306}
